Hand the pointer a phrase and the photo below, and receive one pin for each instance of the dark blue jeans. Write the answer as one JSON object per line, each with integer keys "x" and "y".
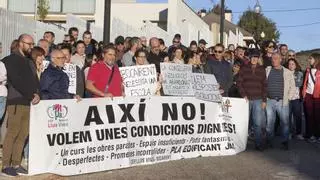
{"x": 258, "y": 116}
{"x": 295, "y": 116}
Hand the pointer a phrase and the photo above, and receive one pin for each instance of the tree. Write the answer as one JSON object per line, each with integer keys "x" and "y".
{"x": 256, "y": 24}
{"x": 43, "y": 9}
{"x": 217, "y": 9}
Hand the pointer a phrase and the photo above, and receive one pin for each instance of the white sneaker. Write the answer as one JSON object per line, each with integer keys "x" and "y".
{"x": 312, "y": 139}
{"x": 300, "y": 137}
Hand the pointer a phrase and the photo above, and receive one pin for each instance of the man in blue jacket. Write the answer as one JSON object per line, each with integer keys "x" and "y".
{"x": 54, "y": 83}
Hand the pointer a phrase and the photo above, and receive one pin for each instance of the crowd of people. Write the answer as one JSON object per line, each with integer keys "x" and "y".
{"x": 270, "y": 79}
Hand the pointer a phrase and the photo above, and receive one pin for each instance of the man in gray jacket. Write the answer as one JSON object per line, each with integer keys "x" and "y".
{"x": 281, "y": 89}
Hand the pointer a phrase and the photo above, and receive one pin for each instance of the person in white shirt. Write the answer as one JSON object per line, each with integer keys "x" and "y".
{"x": 3, "y": 89}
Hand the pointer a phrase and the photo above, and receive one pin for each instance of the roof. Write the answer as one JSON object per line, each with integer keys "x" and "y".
{"x": 228, "y": 26}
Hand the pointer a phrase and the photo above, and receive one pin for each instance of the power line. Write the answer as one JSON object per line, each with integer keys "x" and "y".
{"x": 300, "y": 25}
{"x": 283, "y": 10}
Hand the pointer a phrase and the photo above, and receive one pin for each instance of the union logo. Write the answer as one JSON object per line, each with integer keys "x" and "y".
{"x": 225, "y": 106}
{"x": 57, "y": 111}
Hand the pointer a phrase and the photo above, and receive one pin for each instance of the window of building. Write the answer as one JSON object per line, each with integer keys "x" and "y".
{"x": 79, "y": 6}
{"x": 21, "y": 5}
{"x": 56, "y": 6}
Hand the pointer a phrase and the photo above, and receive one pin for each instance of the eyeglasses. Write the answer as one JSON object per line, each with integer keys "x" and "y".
{"x": 218, "y": 51}
{"x": 270, "y": 46}
{"x": 30, "y": 44}
{"x": 59, "y": 58}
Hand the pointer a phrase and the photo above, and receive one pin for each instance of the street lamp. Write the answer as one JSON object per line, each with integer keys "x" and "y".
{"x": 257, "y": 10}
{"x": 257, "y": 7}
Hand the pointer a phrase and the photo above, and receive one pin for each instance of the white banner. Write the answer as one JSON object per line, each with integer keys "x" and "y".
{"x": 139, "y": 80}
{"x": 206, "y": 87}
{"x": 177, "y": 79}
{"x": 71, "y": 71}
{"x": 69, "y": 138}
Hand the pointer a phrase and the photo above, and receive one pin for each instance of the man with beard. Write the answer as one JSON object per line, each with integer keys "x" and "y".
{"x": 23, "y": 89}
{"x": 156, "y": 56}
{"x": 104, "y": 78}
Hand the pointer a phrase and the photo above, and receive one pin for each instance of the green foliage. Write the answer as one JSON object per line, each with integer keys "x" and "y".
{"x": 43, "y": 9}
{"x": 258, "y": 23}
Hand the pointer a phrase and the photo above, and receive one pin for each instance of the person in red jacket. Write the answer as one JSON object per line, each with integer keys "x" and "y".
{"x": 311, "y": 95}
{"x": 104, "y": 78}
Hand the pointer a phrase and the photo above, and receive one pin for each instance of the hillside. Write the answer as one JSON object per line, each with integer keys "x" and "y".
{"x": 302, "y": 57}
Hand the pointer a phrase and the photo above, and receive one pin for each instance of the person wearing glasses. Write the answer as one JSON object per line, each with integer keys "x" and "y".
{"x": 269, "y": 47}
{"x": 176, "y": 42}
{"x": 54, "y": 83}
{"x": 23, "y": 89}
{"x": 221, "y": 69}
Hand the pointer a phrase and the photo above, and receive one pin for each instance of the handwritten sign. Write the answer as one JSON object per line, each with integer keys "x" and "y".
{"x": 176, "y": 79}
{"x": 206, "y": 87}
{"x": 139, "y": 80}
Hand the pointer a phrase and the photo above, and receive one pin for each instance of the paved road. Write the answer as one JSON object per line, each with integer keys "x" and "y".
{"x": 302, "y": 161}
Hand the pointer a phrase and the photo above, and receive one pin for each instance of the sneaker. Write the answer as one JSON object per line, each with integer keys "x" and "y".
{"x": 300, "y": 137}
{"x": 21, "y": 171}
{"x": 10, "y": 172}
{"x": 285, "y": 145}
{"x": 312, "y": 139}
{"x": 259, "y": 148}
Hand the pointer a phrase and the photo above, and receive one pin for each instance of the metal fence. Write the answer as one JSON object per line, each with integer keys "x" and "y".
{"x": 13, "y": 24}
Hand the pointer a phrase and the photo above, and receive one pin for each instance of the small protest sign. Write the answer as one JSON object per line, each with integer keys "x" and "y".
{"x": 176, "y": 79}
{"x": 139, "y": 80}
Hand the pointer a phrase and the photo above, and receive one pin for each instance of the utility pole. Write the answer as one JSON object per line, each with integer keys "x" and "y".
{"x": 106, "y": 26}
{"x": 222, "y": 21}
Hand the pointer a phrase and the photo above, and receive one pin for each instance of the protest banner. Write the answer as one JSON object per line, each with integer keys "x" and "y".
{"x": 71, "y": 71}
{"x": 69, "y": 138}
{"x": 176, "y": 79}
{"x": 139, "y": 80}
{"x": 206, "y": 87}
